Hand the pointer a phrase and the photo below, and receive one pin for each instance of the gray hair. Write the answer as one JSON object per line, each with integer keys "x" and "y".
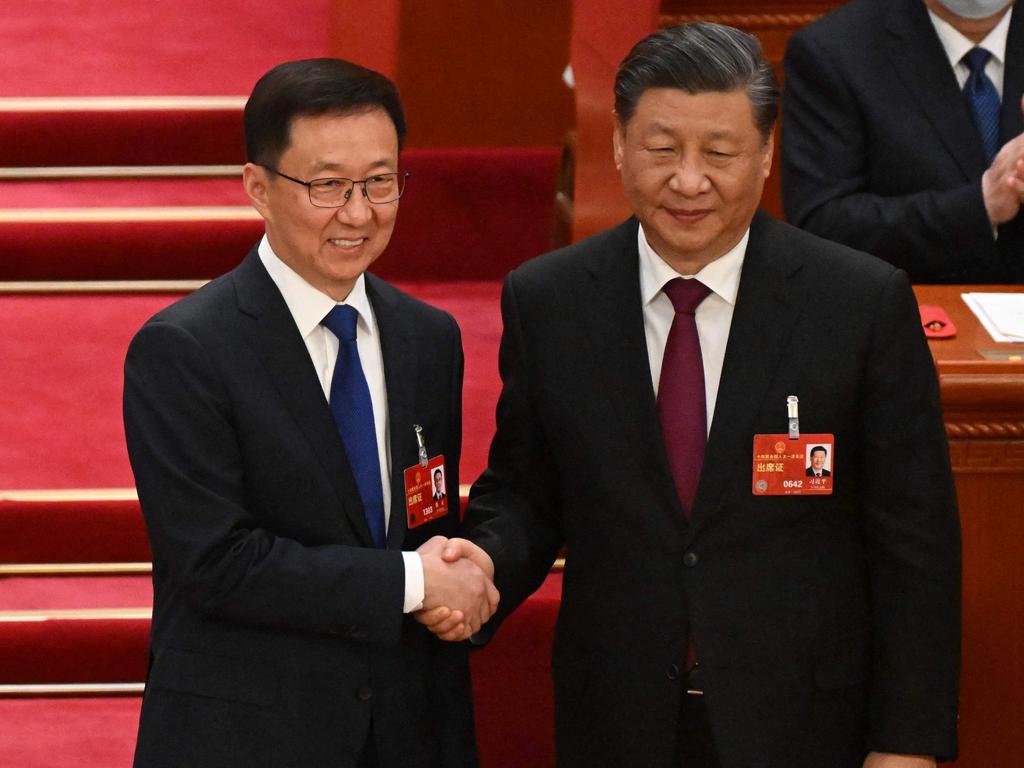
{"x": 697, "y": 58}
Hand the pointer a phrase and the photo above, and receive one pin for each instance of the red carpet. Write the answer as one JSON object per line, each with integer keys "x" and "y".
{"x": 467, "y": 214}
{"x": 61, "y": 593}
{"x": 60, "y": 395}
{"x": 111, "y": 47}
{"x": 61, "y": 733}
{"x": 71, "y": 531}
{"x": 58, "y": 134}
{"x": 128, "y": 192}
{"x": 90, "y": 650}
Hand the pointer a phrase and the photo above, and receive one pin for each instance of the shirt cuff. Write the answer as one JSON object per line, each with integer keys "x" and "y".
{"x": 413, "y": 582}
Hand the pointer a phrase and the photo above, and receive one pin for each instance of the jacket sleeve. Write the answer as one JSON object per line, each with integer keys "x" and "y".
{"x": 912, "y": 538}
{"x": 513, "y": 509}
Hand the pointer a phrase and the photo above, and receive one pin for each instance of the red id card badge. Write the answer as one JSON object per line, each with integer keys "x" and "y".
{"x": 426, "y": 492}
{"x": 787, "y": 467}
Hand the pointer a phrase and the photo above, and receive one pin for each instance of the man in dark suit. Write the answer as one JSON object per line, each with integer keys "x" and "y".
{"x": 270, "y": 417}
{"x": 902, "y": 135}
{"x": 438, "y": 485}
{"x": 817, "y": 467}
{"x": 825, "y": 627}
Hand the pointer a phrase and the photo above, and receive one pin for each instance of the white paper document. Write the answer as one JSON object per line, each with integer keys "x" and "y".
{"x": 1002, "y": 314}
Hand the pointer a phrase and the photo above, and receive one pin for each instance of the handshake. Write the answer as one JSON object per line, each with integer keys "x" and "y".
{"x": 459, "y": 595}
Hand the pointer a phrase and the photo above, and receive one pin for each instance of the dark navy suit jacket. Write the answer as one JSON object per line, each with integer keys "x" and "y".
{"x": 278, "y": 636}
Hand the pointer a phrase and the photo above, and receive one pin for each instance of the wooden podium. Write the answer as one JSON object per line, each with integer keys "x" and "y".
{"x": 982, "y": 385}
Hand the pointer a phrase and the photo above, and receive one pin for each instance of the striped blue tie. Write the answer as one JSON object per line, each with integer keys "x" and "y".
{"x": 352, "y": 410}
{"x": 983, "y": 100}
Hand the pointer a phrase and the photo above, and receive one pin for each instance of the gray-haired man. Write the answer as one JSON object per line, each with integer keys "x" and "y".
{"x": 825, "y": 620}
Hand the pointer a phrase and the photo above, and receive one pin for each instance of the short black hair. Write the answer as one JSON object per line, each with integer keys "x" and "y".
{"x": 817, "y": 448}
{"x": 438, "y": 472}
{"x": 310, "y": 88}
{"x": 699, "y": 57}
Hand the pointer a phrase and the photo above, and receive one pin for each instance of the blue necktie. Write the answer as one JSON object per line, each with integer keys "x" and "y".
{"x": 353, "y": 413}
{"x": 983, "y": 100}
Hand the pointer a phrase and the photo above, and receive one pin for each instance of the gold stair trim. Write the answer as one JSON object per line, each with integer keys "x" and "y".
{"x": 101, "y": 286}
{"x": 119, "y": 103}
{"x": 119, "y": 171}
{"x": 71, "y": 689}
{"x": 75, "y": 569}
{"x": 126, "y": 214}
{"x": 69, "y": 494}
{"x": 75, "y": 614}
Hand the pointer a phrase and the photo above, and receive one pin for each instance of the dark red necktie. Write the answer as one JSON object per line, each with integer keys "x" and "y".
{"x": 682, "y": 405}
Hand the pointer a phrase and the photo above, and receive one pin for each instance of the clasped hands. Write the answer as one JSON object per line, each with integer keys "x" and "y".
{"x": 459, "y": 595}
{"x": 1003, "y": 183}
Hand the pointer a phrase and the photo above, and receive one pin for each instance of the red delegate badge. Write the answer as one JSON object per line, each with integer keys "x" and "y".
{"x": 426, "y": 492}
{"x": 786, "y": 467}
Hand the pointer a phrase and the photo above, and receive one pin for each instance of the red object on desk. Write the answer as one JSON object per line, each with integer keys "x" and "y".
{"x": 936, "y": 322}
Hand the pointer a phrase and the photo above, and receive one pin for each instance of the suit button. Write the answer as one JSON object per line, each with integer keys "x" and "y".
{"x": 690, "y": 559}
{"x": 365, "y": 693}
{"x": 672, "y": 673}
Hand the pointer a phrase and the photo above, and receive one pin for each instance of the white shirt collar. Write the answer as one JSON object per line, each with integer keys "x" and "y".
{"x": 956, "y": 45}
{"x": 722, "y": 275}
{"x": 307, "y": 304}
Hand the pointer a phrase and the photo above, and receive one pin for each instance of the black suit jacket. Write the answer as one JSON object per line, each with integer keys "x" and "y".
{"x": 879, "y": 150}
{"x": 278, "y": 633}
{"x": 827, "y": 625}
{"x": 824, "y": 472}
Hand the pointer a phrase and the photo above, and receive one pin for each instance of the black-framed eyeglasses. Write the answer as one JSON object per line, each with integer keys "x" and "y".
{"x": 334, "y": 193}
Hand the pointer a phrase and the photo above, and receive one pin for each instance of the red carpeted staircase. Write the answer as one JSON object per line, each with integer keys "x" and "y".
{"x": 110, "y": 208}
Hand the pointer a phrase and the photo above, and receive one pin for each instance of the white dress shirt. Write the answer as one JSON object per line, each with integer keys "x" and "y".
{"x": 956, "y": 45}
{"x": 713, "y": 316}
{"x": 308, "y": 306}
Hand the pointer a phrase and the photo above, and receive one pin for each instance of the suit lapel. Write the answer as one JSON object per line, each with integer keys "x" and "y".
{"x": 270, "y": 330}
{"x": 920, "y": 62}
{"x": 1011, "y": 123}
{"x": 399, "y": 350}
{"x": 768, "y": 304}
{"x": 616, "y": 325}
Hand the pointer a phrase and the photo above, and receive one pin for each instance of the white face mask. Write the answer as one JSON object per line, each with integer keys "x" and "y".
{"x": 974, "y": 9}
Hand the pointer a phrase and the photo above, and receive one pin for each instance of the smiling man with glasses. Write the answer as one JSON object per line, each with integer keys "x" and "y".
{"x": 271, "y": 417}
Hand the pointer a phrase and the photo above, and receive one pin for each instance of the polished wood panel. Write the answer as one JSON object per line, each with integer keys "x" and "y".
{"x": 485, "y": 72}
{"x": 603, "y": 32}
{"x": 365, "y": 33}
{"x": 983, "y": 404}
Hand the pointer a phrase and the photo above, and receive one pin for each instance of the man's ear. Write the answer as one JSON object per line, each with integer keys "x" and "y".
{"x": 255, "y": 181}
{"x": 618, "y": 143}
{"x": 769, "y": 152}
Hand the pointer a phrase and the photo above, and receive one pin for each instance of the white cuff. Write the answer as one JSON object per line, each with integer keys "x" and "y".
{"x": 413, "y": 582}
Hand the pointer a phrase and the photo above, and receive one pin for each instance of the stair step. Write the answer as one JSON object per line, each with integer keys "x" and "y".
{"x": 467, "y": 214}
{"x": 129, "y": 130}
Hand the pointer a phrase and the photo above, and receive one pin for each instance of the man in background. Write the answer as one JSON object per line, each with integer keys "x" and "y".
{"x": 902, "y": 135}
{"x": 270, "y": 418}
